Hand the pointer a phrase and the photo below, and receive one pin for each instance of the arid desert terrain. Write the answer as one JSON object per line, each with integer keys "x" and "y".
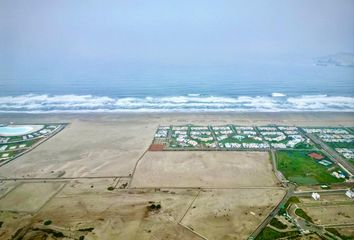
{"x": 96, "y": 179}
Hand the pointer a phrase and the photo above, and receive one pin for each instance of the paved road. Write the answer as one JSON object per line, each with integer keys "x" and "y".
{"x": 274, "y": 212}
{"x": 290, "y": 192}
{"x": 278, "y": 174}
{"x": 57, "y": 178}
{"x": 324, "y": 192}
{"x": 333, "y": 154}
{"x": 308, "y": 226}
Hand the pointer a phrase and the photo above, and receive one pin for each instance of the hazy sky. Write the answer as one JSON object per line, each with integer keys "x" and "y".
{"x": 70, "y": 35}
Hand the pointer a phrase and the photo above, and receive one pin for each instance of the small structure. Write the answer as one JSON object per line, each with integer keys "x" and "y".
{"x": 315, "y": 196}
{"x": 316, "y": 156}
{"x": 349, "y": 193}
{"x": 338, "y": 174}
{"x": 156, "y": 147}
{"x": 325, "y": 163}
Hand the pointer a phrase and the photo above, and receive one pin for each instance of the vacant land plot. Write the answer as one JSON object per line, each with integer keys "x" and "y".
{"x": 85, "y": 148}
{"x": 345, "y": 233}
{"x": 123, "y": 214}
{"x": 127, "y": 214}
{"x": 335, "y": 214}
{"x": 298, "y": 167}
{"x": 29, "y": 197}
{"x": 230, "y": 214}
{"x": 204, "y": 169}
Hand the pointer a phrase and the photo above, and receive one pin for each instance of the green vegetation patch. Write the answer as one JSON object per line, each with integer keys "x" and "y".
{"x": 89, "y": 229}
{"x": 47, "y": 222}
{"x": 334, "y": 145}
{"x": 291, "y": 200}
{"x": 271, "y": 234}
{"x": 110, "y": 188}
{"x": 304, "y": 145}
{"x": 278, "y": 224}
{"x": 303, "y": 214}
{"x": 298, "y": 167}
{"x": 154, "y": 207}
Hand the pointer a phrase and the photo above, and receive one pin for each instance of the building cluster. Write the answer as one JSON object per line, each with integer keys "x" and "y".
{"x": 4, "y": 140}
{"x": 335, "y": 137}
{"x": 231, "y": 137}
{"x": 326, "y": 130}
{"x": 332, "y": 135}
{"x": 162, "y": 132}
{"x": 349, "y": 193}
{"x": 338, "y": 174}
{"x": 282, "y": 137}
{"x": 347, "y": 153}
{"x": 12, "y": 145}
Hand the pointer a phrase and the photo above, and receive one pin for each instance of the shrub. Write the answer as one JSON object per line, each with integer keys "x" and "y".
{"x": 47, "y": 222}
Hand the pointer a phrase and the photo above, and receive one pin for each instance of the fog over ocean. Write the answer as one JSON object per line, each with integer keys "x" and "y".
{"x": 253, "y": 87}
{"x": 202, "y": 55}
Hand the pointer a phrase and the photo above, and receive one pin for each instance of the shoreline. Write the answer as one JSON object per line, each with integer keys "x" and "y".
{"x": 179, "y": 113}
{"x": 177, "y": 118}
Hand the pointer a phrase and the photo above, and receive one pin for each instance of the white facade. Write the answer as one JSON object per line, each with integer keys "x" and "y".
{"x": 315, "y": 196}
{"x": 349, "y": 194}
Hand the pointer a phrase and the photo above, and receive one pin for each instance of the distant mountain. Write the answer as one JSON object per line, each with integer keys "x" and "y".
{"x": 339, "y": 59}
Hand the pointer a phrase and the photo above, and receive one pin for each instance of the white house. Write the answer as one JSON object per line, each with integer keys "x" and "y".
{"x": 349, "y": 193}
{"x": 315, "y": 196}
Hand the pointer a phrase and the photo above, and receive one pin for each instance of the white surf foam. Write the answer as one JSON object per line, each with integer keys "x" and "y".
{"x": 90, "y": 103}
{"x": 276, "y": 94}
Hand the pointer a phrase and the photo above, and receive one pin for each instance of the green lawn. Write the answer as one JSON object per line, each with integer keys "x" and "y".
{"x": 278, "y": 224}
{"x": 303, "y": 145}
{"x": 298, "y": 167}
{"x": 303, "y": 214}
{"x": 340, "y": 144}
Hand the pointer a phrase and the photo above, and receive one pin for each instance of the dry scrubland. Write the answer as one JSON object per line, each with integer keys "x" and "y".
{"x": 330, "y": 209}
{"x": 109, "y": 146}
{"x": 335, "y": 214}
{"x": 123, "y": 214}
{"x": 230, "y": 214}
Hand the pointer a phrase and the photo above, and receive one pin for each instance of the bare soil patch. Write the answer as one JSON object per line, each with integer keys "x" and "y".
{"x": 204, "y": 169}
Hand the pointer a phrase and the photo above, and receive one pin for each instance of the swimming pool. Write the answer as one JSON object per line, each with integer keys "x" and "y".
{"x": 18, "y": 130}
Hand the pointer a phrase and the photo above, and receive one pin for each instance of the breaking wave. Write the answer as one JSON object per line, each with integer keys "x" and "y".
{"x": 193, "y": 102}
{"x": 275, "y": 94}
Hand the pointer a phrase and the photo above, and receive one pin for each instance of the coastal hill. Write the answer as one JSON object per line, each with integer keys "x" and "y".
{"x": 339, "y": 59}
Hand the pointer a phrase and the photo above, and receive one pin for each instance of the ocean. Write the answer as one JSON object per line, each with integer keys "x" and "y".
{"x": 263, "y": 87}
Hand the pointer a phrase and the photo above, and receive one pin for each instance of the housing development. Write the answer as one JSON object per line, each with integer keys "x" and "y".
{"x": 18, "y": 139}
{"x": 231, "y": 137}
{"x": 340, "y": 139}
